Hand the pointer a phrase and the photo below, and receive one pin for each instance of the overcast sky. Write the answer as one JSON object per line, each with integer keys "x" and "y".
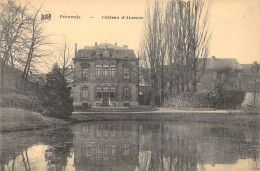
{"x": 234, "y": 25}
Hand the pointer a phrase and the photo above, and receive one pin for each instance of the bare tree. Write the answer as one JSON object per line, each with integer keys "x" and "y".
{"x": 64, "y": 56}
{"x": 13, "y": 23}
{"x": 188, "y": 43}
{"x": 151, "y": 48}
{"x": 176, "y": 34}
{"x": 255, "y": 70}
{"x": 198, "y": 39}
{"x": 34, "y": 40}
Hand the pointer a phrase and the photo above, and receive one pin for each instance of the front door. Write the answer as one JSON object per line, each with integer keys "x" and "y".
{"x": 105, "y": 101}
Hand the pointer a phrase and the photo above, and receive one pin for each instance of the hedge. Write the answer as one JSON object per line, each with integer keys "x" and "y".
{"x": 228, "y": 99}
{"x": 27, "y": 102}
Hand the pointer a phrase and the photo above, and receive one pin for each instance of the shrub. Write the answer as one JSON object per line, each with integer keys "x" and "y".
{"x": 191, "y": 100}
{"x": 228, "y": 99}
{"x": 27, "y": 102}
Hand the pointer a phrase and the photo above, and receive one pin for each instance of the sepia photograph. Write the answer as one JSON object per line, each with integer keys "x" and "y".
{"x": 130, "y": 85}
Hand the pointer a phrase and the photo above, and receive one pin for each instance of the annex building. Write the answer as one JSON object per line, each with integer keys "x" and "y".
{"x": 105, "y": 75}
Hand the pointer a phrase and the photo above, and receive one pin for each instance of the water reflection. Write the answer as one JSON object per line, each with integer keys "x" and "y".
{"x": 133, "y": 146}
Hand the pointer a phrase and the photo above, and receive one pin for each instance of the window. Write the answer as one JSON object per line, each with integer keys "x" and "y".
{"x": 98, "y": 92}
{"x": 84, "y": 73}
{"x": 126, "y": 93}
{"x": 126, "y": 73}
{"x": 98, "y": 71}
{"x": 84, "y": 92}
{"x": 105, "y": 71}
{"x": 112, "y": 92}
{"x": 112, "y": 71}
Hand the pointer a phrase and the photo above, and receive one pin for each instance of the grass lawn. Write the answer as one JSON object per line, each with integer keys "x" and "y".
{"x": 14, "y": 119}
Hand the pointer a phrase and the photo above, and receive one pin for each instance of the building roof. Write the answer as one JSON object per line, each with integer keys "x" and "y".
{"x": 105, "y": 50}
{"x": 222, "y": 63}
{"x": 247, "y": 66}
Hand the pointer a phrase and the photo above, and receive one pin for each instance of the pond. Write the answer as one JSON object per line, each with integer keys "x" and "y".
{"x": 133, "y": 146}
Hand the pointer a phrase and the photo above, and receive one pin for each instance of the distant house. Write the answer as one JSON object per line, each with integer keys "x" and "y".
{"x": 251, "y": 80}
{"x": 221, "y": 70}
{"x": 105, "y": 75}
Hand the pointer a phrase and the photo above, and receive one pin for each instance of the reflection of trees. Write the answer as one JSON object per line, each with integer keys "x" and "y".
{"x": 60, "y": 149}
{"x": 14, "y": 145}
{"x": 255, "y": 153}
{"x": 14, "y": 148}
{"x": 187, "y": 147}
{"x": 169, "y": 151}
{"x": 127, "y": 145}
{"x": 25, "y": 161}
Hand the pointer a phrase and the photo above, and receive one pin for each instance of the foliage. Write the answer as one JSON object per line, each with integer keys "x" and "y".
{"x": 226, "y": 99}
{"x": 229, "y": 99}
{"x": 191, "y": 100}
{"x": 27, "y": 102}
{"x": 58, "y": 102}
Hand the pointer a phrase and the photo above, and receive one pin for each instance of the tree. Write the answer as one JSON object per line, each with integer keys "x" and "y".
{"x": 64, "y": 56}
{"x": 13, "y": 23}
{"x": 255, "y": 69}
{"x": 152, "y": 47}
{"x": 175, "y": 33}
{"x": 188, "y": 43}
{"x": 33, "y": 42}
{"x": 58, "y": 103}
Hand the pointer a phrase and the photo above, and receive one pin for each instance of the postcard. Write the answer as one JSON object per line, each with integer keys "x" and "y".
{"x": 132, "y": 85}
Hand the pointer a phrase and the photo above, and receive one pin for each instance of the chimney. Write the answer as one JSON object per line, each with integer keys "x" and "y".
{"x": 125, "y": 46}
{"x": 116, "y": 44}
{"x": 76, "y": 49}
{"x": 95, "y": 43}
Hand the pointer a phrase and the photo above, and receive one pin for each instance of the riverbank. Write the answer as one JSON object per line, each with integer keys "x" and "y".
{"x": 14, "y": 119}
{"x": 227, "y": 117}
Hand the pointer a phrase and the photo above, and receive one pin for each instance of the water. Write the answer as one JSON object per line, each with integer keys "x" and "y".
{"x": 132, "y": 146}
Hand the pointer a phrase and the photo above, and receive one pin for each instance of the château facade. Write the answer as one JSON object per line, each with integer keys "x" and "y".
{"x": 105, "y": 75}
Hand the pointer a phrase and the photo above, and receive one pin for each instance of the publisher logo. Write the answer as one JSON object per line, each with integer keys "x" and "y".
{"x": 45, "y": 16}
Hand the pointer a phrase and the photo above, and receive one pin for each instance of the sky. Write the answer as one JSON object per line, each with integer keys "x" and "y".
{"x": 234, "y": 25}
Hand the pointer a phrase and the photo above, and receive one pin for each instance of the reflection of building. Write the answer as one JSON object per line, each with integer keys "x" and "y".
{"x": 105, "y": 75}
{"x": 105, "y": 146}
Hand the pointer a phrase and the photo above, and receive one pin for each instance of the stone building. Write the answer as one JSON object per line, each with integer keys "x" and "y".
{"x": 105, "y": 75}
